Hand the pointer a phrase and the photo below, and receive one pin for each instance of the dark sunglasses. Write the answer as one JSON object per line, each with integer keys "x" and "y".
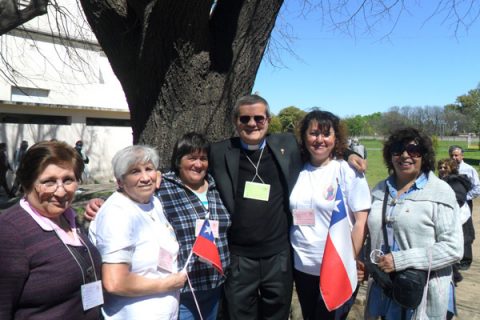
{"x": 413, "y": 150}
{"x": 258, "y": 119}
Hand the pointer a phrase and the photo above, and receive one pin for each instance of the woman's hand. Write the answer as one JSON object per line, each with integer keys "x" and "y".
{"x": 176, "y": 280}
{"x": 361, "y": 274}
{"x": 386, "y": 263}
{"x": 357, "y": 162}
{"x": 92, "y": 207}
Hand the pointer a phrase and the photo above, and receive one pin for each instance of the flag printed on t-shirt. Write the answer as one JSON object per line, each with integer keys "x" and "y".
{"x": 338, "y": 273}
{"x": 205, "y": 248}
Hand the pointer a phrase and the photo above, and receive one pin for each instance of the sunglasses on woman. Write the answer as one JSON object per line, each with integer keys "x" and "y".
{"x": 246, "y": 119}
{"x": 413, "y": 150}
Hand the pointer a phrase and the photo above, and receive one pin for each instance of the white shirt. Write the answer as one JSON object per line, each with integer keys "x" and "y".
{"x": 472, "y": 174}
{"x": 134, "y": 233}
{"x": 315, "y": 189}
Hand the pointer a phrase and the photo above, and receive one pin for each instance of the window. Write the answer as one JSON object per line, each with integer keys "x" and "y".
{"x": 34, "y": 95}
{"x": 108, "y": 122}
{"x": 33, "y": 119}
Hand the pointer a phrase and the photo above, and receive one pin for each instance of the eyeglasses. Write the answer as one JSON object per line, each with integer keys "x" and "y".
{"x": 51, "y": 186}
{"x": 246, "y": 119}
{"x": 413, "y": 150}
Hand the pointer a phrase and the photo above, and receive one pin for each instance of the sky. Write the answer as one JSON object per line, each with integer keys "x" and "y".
{"x": 421, "y": 63}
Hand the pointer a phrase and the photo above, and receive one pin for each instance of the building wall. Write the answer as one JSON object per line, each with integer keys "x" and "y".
{"x": 50, "y": 70}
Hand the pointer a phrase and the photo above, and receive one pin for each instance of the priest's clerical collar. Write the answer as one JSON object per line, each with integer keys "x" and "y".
{"x": 261, "y": 145}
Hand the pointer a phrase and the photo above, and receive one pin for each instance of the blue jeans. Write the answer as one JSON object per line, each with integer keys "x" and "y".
{"x": 208, "y": 301}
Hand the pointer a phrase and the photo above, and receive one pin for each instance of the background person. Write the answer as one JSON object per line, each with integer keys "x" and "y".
{"x": 85, "y": 159}
{"x": 4, "y": 168}
{"x": 17, "y": 159}
{"x": 312, "y": 201}
{"x": 448, "y": 172}
{"x": 255, "y": 174}
{"x": 45, "y": 259}
{"x": 138, "y": 246}
{"x": 422, "y": 222}
{"x": 456, "y": 153}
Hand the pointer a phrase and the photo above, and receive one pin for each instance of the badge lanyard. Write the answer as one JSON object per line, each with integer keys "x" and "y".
{"x": 91, "y": 293}
{"x": 256, "y": 166}
{"x": 73, "y": 255}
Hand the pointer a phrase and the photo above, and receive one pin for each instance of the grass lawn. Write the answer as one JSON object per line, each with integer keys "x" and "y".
{"x": 376, "y": 168}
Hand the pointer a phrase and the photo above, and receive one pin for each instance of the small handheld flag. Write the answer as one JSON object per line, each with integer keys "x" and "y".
{"x": 205, "y": 248}
{"x": 338, "y": 273}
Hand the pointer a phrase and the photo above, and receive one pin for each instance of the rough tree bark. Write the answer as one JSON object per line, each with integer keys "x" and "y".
{"x": 182, "y": 70}
{"x": 12, "y": 15}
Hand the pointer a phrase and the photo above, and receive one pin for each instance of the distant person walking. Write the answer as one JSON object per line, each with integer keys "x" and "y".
{"x": 86, "y": 160}
{"x": 4, "y": 167}
{"x": 17, "y": 158}
{"x": 19, "y": 153}
{"x": 456, "y": 153}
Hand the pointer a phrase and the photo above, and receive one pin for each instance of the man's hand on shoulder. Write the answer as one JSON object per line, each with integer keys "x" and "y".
{"x": 92, "y": 207}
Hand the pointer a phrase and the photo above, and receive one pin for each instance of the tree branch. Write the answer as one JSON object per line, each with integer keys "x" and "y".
{"x": 11, "y": 16}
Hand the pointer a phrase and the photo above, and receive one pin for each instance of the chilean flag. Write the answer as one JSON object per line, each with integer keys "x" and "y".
{"x": 338, "y": 273}
{"x": 205, "y": 247}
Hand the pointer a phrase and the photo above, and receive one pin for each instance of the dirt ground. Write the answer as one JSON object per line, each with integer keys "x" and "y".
{"x": 468, "y": 291}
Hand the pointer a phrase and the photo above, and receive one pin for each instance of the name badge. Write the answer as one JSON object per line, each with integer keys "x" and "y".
{"x": 92, "y": 294}
{"x": 256, "y": 191}
{"x": 213, "y": 226}
{"x": 165, "y": 260}
{"x": 303, "y": 217}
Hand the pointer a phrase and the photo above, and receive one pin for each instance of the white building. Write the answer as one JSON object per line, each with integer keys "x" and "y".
{"x": 56, "y": 83}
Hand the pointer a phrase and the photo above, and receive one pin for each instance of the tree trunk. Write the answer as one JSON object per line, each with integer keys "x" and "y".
{"x": 182, "y": 69}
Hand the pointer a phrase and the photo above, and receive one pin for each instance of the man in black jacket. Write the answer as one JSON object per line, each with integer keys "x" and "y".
{"x": 255, "y": 174}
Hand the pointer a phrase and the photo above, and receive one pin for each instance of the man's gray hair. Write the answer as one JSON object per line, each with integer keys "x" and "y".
{"x": 453, "y": 148}
{"x": 131, "y": 155}
{"x": 249, "y": 99}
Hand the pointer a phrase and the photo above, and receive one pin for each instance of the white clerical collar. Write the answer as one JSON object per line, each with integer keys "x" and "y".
{"x": 261, "y": 145}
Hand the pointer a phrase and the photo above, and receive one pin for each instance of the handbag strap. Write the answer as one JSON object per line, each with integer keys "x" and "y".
{"x": 384, "y": 219}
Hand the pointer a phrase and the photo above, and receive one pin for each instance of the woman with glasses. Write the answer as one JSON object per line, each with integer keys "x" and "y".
{"x": 325, "y": 184}
{"x": 420, "y": 215}
{"x": 48, "y": 269}
{"x": 138, "y": 245}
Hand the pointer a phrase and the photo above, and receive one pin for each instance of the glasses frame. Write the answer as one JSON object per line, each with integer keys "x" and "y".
{"x": 257, "y": 118}
{"x": 47, "y": 188}
{"x": 413, "y": 150}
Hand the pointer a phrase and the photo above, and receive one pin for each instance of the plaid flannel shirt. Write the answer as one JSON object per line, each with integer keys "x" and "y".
{"x": 182, "y": 208}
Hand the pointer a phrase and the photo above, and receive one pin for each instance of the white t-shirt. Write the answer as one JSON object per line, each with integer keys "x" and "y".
{"x": 315, "y": 189}
{"x": 134, "y": 233}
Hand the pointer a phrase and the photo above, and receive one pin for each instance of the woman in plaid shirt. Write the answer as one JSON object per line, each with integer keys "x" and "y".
{"x": 188, "y": 194}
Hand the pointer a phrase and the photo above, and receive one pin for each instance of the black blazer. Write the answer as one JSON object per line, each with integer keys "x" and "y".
{"x": 224, "y": 163}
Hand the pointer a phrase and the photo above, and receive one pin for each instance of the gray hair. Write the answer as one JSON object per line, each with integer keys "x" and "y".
{"x": 131, "y": 155}
{"x": 249, "y": 99}
{"x": 453, "y": 148}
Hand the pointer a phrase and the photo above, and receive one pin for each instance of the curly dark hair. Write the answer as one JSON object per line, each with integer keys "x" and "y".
{"x": 325, "y": 121}
{"x": 406, "y": 135}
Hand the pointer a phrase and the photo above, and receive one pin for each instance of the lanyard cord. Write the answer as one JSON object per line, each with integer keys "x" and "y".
{"x": 255, "y": 166}
{"x": 74, "y": 257}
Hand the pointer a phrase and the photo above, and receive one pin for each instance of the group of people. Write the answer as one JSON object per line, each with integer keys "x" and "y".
{"x": 266, "y": 200}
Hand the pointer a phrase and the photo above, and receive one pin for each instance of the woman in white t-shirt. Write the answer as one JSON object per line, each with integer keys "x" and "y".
{"x": 138, "y": 246}
{"x": 313, "y": 200}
